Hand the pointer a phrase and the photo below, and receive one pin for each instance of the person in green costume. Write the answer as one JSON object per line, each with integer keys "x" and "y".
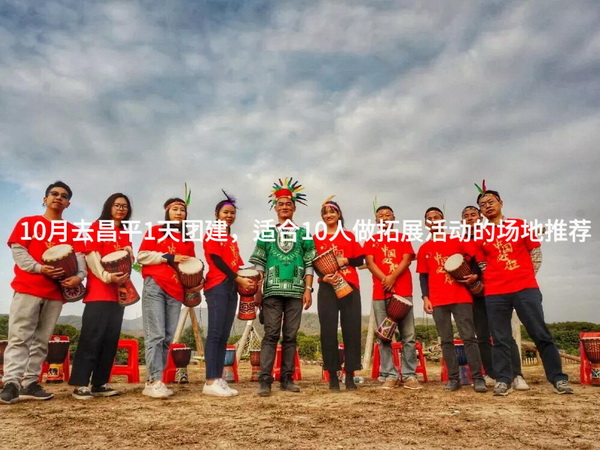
{"x": 283, "y": 256}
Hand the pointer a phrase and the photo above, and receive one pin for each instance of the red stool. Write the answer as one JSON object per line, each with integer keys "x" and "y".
{"x": 396, "y": 352}
{"x": 277, "y": 366}
{"x": 585, "y": 366}
{"x": 66, "y": 362}
{"x": 171, "y": 370}
{"x": 325, "y": 373}
{"x": 132, "y": 369}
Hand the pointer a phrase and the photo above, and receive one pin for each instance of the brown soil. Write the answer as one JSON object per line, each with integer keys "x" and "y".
{"x": 315, "y": 418}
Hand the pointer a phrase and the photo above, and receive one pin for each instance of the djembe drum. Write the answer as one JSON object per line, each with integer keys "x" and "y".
{"x": 327, "y": 264}
{"x": 181, "y": 358}
{"x": 255, "y": 363}
{"x": 397, "y": 308}
{"x": 120, "y": 261}
{"x": 458, "y": 268}
{"x": 57, "y": 353}
{"x": 3, "y": 345}
{"x": 591, "y": 346}
{"x": 247, "y": 310}
{"x": 228, "y": 374}
{"x": 190, "y": 274}
{"x": 62, "y": 256}
{"x": 464, "y": 371}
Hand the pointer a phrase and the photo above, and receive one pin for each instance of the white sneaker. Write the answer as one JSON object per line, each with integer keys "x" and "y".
{"x": 227, "y": 387}
{"x": 156, "y": 389}
{"x": 519, "y": 384}
{"x": 489, "y": 381}
{"x": 216, "y": 389}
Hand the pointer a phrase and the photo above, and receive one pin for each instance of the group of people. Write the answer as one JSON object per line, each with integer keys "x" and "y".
{"x": 283, "y": 257}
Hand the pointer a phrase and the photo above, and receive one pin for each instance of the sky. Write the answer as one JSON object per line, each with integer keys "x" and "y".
{"x": 409, "y": 102}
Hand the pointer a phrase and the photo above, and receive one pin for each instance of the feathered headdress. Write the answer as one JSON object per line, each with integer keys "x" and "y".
{"x": 229, "y": 199}
{"x": 482, "y": 190}
{"x": 375, "y": 206}
{"x": 187, "y": 195}
{"x": 287, "y": 188}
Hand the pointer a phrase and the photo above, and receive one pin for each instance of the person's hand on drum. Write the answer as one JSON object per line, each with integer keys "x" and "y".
{"x": 118, "y": 278}
{"x": 427, "y": 305}
{"x": 342, "y": 262}
{"x": 53, "y": 272}
{"x": 180, "y": 258}
{"x": 71, "y": 281}
{"x": 332, "y": 278}
{"x": 245, "y": 283}
{"x": 469, "y": 279}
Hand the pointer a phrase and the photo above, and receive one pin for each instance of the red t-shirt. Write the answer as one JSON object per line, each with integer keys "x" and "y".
{"x": 443, "y": 288}
{"x": 344, "y": 246}
{"x": 97, "y": 290}
{"x": 165, "y": 275}
{"x": 509, "y": 266}
{"x": 40, "y": 230}
{"x": 225, "y": 247}
{"x": 387, "y": 254}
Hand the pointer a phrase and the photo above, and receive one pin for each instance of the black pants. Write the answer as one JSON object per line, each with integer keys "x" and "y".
{"x": 274, "y": 310}
{"x": 463, "y": 317}
{"x": 349, "y": 311}
{"x": 100, "y": 330}
{"x": 482, "y": 329}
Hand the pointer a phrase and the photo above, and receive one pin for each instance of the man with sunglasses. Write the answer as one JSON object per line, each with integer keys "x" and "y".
{"x": 38, "y": 299}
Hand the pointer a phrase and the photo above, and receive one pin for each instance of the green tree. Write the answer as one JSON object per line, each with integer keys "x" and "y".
{"x": 3, "y": 327}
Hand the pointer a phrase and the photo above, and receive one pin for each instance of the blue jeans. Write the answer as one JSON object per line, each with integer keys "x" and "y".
{"x": 160, "y": 313}
{"x": 222, "y": 304}
{"x": 409, "y": 353}
{"x": 528, "y": 305}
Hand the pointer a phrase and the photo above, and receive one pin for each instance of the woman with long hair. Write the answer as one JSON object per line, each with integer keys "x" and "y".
{"x": 349, "y": 255}
{"x": 102, "y": 315}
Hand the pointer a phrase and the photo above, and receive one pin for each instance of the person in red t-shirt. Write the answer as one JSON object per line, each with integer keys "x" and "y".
{"x": 471, "y": 218}
{"x": 37, "y": 301}
{"x": 102, "y": 315}
{"x": 162, "y": 296}
{"x": 220, "y": 289}
{"x": 350, "y": 255}
{"x": 444, "y": 297}
{"x": 388, "y": 256}
{"x": 511, "y": 257}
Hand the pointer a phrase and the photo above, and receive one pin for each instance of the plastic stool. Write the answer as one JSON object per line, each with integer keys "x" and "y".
{"x": 585, "y": 366}
{"x": 132, "y": 369}
{"x": 66, "y": 362}
{"x": 325, "y": 373}
{"x": 396, "y": 352}
{"x": 277, "y": 366}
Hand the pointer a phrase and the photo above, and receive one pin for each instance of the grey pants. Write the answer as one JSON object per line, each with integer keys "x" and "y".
{"x": 30, "y": 325}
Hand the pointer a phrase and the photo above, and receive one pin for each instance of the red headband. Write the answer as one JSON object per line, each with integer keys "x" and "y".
{"x": 175, "y": 203}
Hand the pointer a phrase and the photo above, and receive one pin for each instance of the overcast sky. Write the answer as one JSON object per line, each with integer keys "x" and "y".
{"x": 412, "y": 104}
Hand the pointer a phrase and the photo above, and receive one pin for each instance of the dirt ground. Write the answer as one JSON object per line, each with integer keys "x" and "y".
{"x": 315, "y": 418}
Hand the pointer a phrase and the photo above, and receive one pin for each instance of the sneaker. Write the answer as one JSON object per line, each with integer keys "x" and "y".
{"x": 519, "y": 384}
{"x": 10, "y": 393}
{"x": 265, "y": 389}
{"x": 562, "y": 387}
{"x": 479, "y": 385}
{"x": 412, "y": 383}
{"x": 35, "y": 392}
{"x": 104, "y": 391}
{"x": 489, "y": 381}
{"x": 82, "y": 393}
{"x": 156, "y": 389}
{"x": 502, "y": 389}
{"x": 381, "y": 379}
{"x": 389, "y": 384}
{"x": 453, "y": 385}
{"x": 216, "y": 389}
{"x": 227, "y": 387}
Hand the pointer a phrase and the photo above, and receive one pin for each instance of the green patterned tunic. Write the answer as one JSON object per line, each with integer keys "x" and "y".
{"x": 285, "y": 260}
